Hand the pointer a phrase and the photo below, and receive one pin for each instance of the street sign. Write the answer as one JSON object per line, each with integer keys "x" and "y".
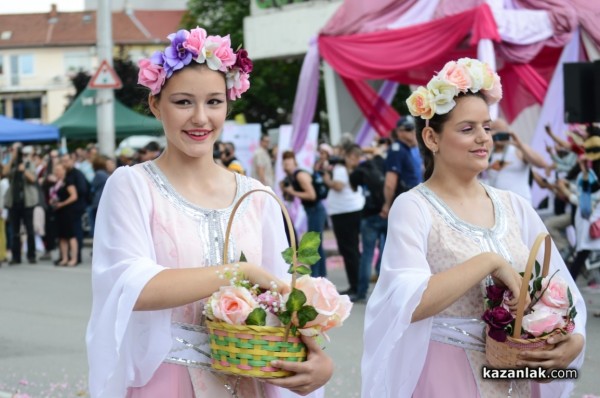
{"x": 105, "y": 77}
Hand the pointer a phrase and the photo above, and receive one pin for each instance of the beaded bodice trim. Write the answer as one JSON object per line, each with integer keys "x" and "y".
{"x": 211, "y": 223}
{"x": 488, "y": 239}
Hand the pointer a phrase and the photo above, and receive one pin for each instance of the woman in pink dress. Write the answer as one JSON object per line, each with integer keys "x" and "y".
{"x": 447, "y": 238}
{"x": 159, "y": 242}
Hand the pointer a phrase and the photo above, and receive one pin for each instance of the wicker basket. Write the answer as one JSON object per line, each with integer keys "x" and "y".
{"x": 248, "y": 350}
{"x": 504, "y": 354}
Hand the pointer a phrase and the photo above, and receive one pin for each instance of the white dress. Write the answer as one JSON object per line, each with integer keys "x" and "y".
{"x": 426, "y": 237}
{"x": 143, "y": 227}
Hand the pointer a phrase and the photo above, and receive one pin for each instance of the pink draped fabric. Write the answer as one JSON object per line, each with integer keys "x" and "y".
{"x": 358, "y": 57}
{"x": 360, "y": 16}
{"x": 380, "y": 115}
{"x": 411, "y": 55}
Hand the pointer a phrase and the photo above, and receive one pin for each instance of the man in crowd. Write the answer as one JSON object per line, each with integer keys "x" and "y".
{"x": 21, "y": 198}
{"x": 262, "y": 166}
{"x": 402, "y": 169}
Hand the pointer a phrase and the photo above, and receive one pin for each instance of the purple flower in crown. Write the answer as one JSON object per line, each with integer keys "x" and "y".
{"x": 176, "y": 55}
{"x": 242, "y": 61}
{"x": 158, "y": 58}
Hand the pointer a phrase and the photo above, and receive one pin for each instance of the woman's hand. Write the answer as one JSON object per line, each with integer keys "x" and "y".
{"x": 506, "y": 276}
{"x": 567, "y": 348}
{"x": 261, "y": 277}
{"x": 310, "y": 375}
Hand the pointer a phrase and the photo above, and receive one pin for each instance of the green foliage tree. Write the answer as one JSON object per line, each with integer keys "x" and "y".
{"x": 270, "y": 100}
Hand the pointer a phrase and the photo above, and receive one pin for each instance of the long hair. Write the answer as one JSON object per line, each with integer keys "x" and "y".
{"x": 437, "y": 124}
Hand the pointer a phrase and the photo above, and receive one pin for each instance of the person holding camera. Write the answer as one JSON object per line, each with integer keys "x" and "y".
{"x": 511, "y": 161}
{"x": 21, "y": 198}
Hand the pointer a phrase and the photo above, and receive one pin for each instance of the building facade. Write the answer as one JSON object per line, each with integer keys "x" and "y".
{"x": 36, "y": 64}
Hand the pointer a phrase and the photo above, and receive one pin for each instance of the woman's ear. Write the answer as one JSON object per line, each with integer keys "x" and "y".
{"x": 153, "y": 105}
{"x": 431, "y": 139}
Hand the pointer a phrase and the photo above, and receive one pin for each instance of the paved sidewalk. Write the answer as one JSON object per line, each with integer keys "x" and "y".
{"x": 44, "y": 311}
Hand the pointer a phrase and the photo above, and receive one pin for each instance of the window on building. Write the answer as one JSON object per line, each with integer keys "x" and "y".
{"x": 27, "y": 108}
{"x": 1, "y": 64}
{"x": 2, "y": 107}
{"x": 75, "y": 62}
{"x": 20, "y": 65}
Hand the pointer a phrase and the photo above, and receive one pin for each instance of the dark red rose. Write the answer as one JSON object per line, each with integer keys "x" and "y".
{"x": 494, "y": 293}
{"x": 497, "y": 334}
{"x": 242, "y": 61}
{"x": 497, "y": 317}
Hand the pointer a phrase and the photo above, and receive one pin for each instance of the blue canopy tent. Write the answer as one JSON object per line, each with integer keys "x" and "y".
{"x": 12, "y": 130}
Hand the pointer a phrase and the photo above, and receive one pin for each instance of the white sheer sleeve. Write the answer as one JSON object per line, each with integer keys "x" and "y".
{"x": 394, "y": 348}
{"x": 124, "y": 347}
{"x": 531, "y": 227}
{"x": 274, "y": 241}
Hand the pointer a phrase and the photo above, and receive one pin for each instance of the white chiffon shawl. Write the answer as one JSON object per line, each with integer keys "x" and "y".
{"x": 125, "y": 347}
{"x": 394, "y": 348}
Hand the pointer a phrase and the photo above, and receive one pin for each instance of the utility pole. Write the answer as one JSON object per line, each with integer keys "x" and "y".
{"x": 105, "y": 97}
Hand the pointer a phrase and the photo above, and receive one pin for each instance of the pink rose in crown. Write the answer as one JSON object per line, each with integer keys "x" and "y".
{"x": 151, "y": 75}
{"x": 541, "y": 321}
{"x": 237, "y": 83}
{"x": 420, "y": 103}
{"x": 225, "y": 53}
{"x": 494, "y": 94}
{"x": 332, "y": 308}
{"x": 195, "y": 42}
{"x": 457, "y": 75}
{"x": 232, "y": 304}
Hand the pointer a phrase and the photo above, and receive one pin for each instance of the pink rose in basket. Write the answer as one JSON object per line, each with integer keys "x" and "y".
{"x": 556, "y": 294}
{"x": 541, "y": 321}
{"x": 232, "y": 304}
{"x": 332, "y": 308}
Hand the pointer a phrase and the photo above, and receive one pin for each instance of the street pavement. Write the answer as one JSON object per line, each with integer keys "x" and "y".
{"x": 44, "y": 311}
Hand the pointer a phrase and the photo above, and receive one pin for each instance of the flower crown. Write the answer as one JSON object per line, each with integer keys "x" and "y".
{"x": 456, "y": 77}
{"x": 195, "y": 45}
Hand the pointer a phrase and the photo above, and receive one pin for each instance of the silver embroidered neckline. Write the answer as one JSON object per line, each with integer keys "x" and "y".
{"x": 448, "y": 214}
{"x": 167, "y": 188}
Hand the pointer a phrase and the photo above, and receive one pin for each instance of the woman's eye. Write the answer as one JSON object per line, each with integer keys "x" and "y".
{"x": 215, "y": 102}
{"x": 183, "y": 102}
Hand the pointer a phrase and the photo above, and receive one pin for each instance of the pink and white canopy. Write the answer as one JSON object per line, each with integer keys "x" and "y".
{"x": 405, "y": 41}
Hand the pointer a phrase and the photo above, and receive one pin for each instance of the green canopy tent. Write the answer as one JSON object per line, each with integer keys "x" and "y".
{"x": 79, "y": 121}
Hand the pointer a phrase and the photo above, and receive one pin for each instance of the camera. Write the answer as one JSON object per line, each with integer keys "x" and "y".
{"x": 501, "y": 136}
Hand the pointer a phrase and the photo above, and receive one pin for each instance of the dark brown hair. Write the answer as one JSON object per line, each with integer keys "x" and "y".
{"x": 437, "y": 124}
{"x": 288, "y": 155}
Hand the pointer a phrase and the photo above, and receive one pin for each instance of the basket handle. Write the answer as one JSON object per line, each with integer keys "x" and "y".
{"x": 286, "y": 215}
{"x": 542, "y": 237}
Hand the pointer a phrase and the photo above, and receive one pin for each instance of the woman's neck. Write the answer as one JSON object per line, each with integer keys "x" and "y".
{"x": 452, "y": 185}
{"x": 189, "y": 170}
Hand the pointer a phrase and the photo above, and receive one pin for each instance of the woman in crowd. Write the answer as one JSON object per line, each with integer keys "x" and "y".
{"x": 63, "y": 196}
{"x": 160, "y": 234}
{"x": 446, "y": 238}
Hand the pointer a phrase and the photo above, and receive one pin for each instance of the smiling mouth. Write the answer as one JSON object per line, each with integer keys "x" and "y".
{"x": 197, "y": 133}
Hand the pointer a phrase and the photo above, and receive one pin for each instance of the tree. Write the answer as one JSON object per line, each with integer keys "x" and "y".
{"x": 273, "y": 82}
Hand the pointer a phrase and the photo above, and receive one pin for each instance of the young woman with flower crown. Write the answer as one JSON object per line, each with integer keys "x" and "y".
{"x": 447, "y": 237}
{"x": 159, "y": 239}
